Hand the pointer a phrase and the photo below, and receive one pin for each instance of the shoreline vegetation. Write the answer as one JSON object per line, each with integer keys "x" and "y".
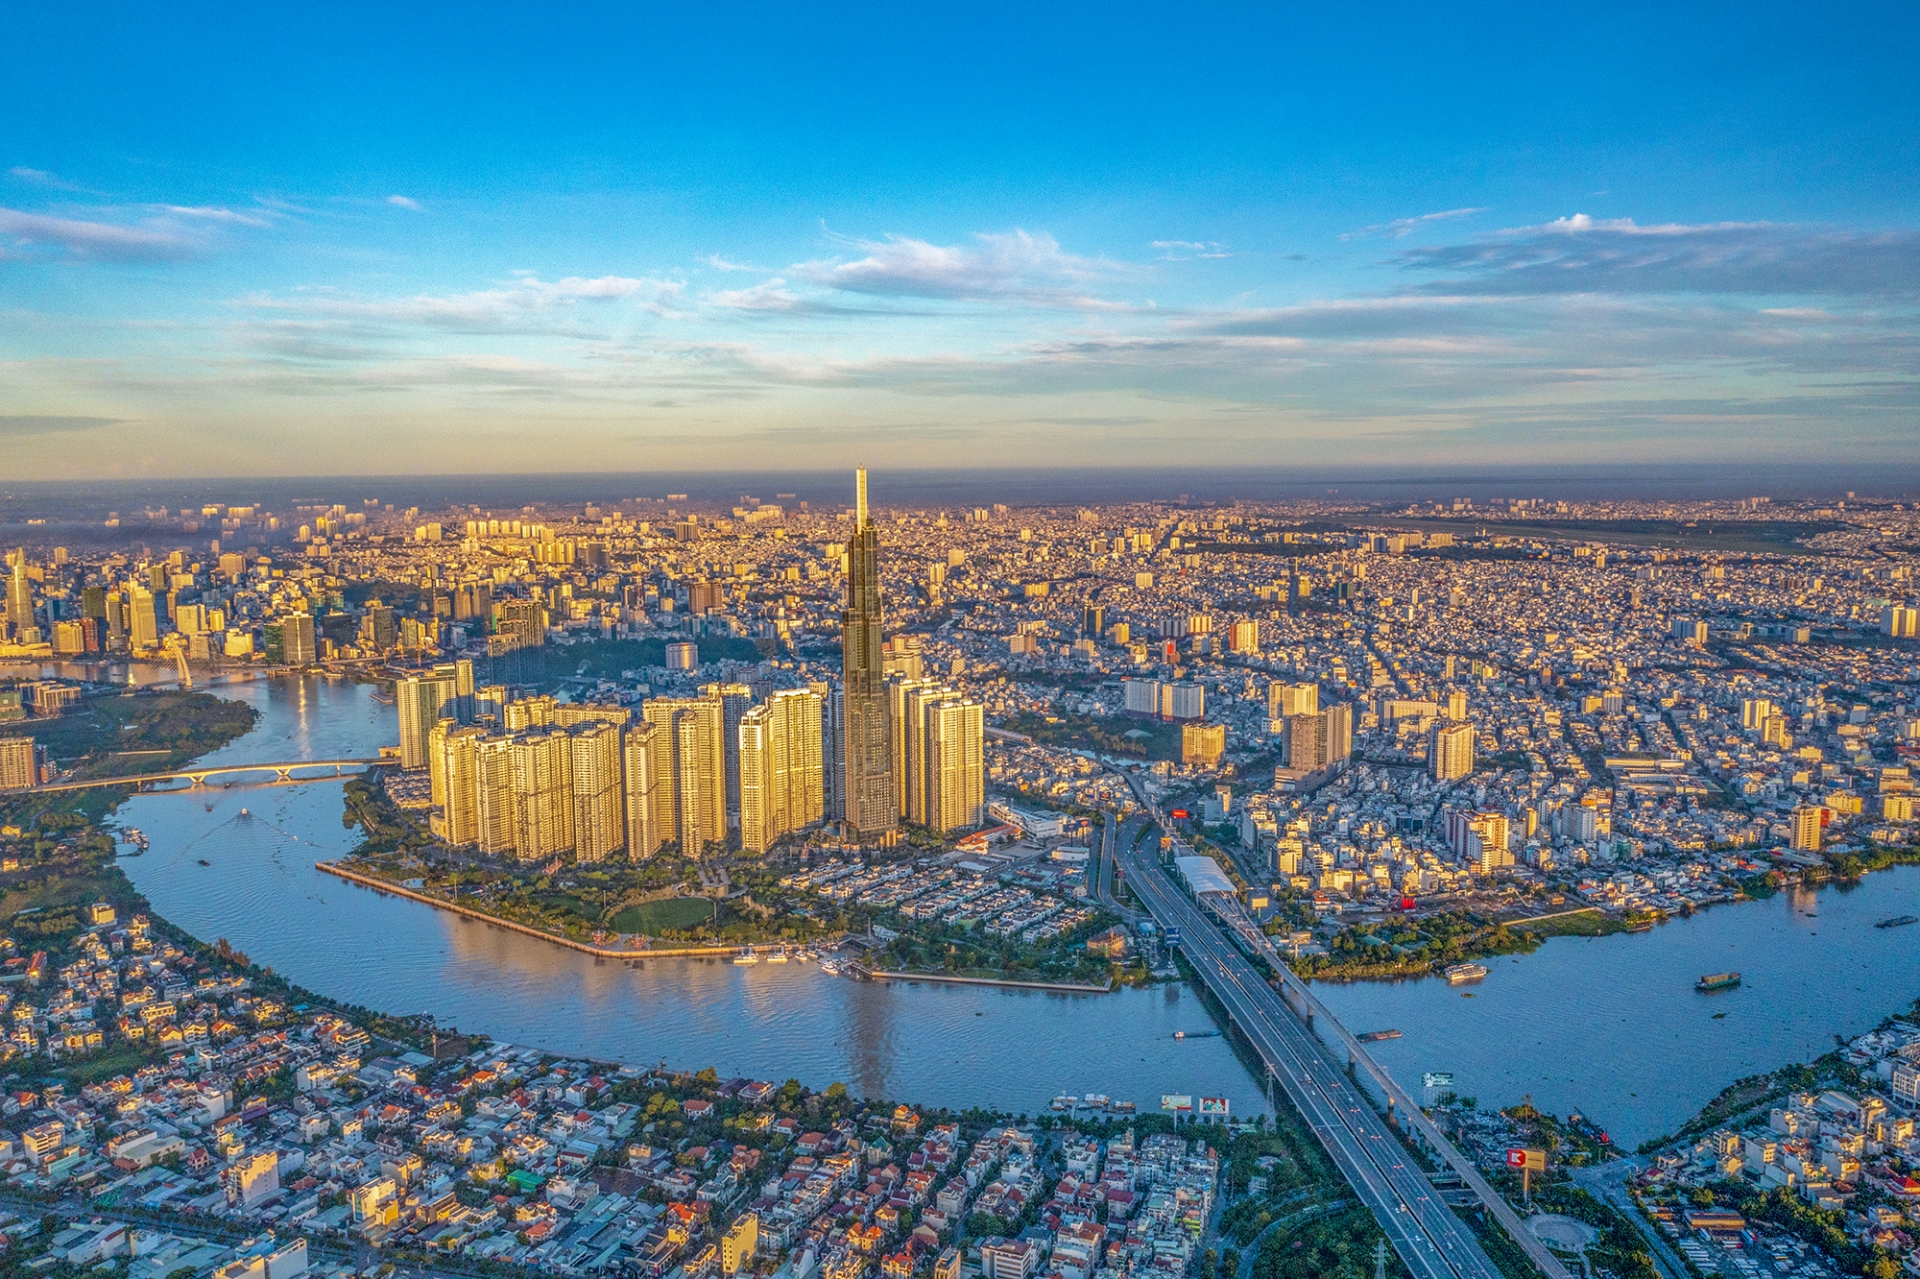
{"x": 704, "y": 907}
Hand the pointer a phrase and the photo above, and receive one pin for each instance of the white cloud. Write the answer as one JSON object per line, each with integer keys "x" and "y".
{"x": 774, "y": 295}
{"x": 105, "y": 241}
{"x": 212, "y": 213}
{"x": 512, "y": 307}
{"x": 402, "y": 202}
{"x": 1012, "y": 266}
{"x": 1183, "y": 250}
{"x": 1400, "y": 228}
{"x": 719, "y": 263}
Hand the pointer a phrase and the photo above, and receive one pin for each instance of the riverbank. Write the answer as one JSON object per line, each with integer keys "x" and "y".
{"x": 586, "y": 948}
{"x": 1058, "y": 987}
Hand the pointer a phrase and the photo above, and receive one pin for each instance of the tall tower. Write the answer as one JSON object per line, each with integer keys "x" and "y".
{"x": 869, "y": 804}
{"x": 20, "y": 592}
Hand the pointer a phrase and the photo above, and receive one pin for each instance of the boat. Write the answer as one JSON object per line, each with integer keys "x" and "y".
{"x": 1121, "y": 1107}
{"x": 1095, "y": 1099}
{"x": 746, "y": 957}
{"x": 1457, "y": 973}
{"x": 204, "y": 862}
{"x": 777, "y": 957}
{"x": 1718, "y": 981}
{"x": 1065, "y": 1102}
{"x": 1196, "y": 1034}
{"x": 830, "y": 968}
{"x": 1375, "y": 1036}
{"x": 1898, "y": 921}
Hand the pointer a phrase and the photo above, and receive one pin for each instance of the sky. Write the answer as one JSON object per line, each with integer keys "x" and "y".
{"x": 342, "y": 239}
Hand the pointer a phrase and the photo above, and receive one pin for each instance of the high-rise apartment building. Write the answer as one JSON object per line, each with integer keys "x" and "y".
{"x": 421, "y": 700}
{"x": 643, "y": 761}
{"x": 1308, "y": 746}
{"x": 907, "y": 700}
{"x": 734, "y": 700}
{"x": 870, "y": 809}
{"x": 833, "y": 753}
{"x": 599, "y": 800}
{"x": 494, "y": 818}
{"x": 690, "y": 794}
{"x": 457, "y": 781}
{"x": 1807, "y": 828}
{"x": 296, "y": 636}
{"x": 781, "y": 775}
{"x": 542, "y": 780}
{"x": 1451, "y": 755}
{"x": 1900, "y": 621}
{"x": 1287, "y": 700}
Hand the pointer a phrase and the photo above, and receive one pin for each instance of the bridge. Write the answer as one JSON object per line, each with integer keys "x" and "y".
{"x": 309, "y": 770}
{"x": 1281, "y": 1027}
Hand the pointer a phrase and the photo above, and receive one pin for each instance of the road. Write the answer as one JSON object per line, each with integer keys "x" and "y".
{"x": 1296, "y": 1009}
{"x": 1432, "y": 1241}
{"x": 1114, "y": 835}
{"x": 1608, "y": 1181}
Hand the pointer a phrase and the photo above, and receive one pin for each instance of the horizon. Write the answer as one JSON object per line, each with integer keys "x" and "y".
{"x": 270, "y": 246}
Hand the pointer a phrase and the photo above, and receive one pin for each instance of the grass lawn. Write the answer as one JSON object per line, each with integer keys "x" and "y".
{"x": 1588, "y": 923}
{"x": 655, "y": 917}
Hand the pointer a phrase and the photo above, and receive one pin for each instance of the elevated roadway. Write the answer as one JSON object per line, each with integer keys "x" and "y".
{"x": 1280, "y": 1024}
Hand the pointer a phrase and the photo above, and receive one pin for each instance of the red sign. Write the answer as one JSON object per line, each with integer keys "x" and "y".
{"x": 1407, "y": 903}
{"x": 1528, "y": 1160}
{"x": 1180, "y": 812}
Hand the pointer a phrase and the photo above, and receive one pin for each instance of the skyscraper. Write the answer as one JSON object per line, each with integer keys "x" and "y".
{"x": 869, "y": 802}
{"x": 599, "y": 807}
{"x": 781, "y": 782}
{"x": 642, "y": 765}
{"x": 493, "y": 795}
{"x": 459, "y": 771}
{"x": 690, "y": 790}
{"x": 955, "y": 770}
{"x": 734, "y": 700}
{"x": 542, "y": 779}
{"x": 421, "y": 700}
{"x": 145, "y": 624}
{"x": 296, "y": 635}
{"x": 19, "y": 592}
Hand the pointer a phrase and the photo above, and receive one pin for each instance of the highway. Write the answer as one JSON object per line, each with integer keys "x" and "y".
{"x": 1432, "y": 1241}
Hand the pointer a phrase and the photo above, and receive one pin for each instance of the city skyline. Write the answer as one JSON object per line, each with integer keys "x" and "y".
{"x": 1261, "y": 241}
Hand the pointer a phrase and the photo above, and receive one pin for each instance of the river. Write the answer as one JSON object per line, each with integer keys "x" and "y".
{"x": 1610, "y": 1026}
{"x": 940, "y": 1045}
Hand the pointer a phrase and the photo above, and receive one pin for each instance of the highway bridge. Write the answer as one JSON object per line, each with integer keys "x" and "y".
{"x": 308, "y": 770}
{"x": 1430, "y": 1238}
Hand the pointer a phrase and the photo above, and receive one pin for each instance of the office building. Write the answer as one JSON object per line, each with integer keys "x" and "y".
{"x": 682, "y": 657}
{"x": 1287, "y": 700}
{"x": 1451, "y": 755}
{"x": 1244, "y": 637}
{"x": 871, "y": 812}
{"x": 20, "y": 593}
{"x": 143, "y": 621}
{"x": 643, "y": 759}
{"x": 833, "y": 753}
{"x": 1309, "y": 747}
{"x": 1093, "y": 621}
{"x": 296, "y": 636}
{"x": 1899, "y": 621}
{"x": 599, "y": 799}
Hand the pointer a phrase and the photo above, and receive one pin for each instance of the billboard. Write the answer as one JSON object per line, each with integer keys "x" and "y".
{"x": 1437, "y": 1079}
{"x": 1176, "y": 1101}
{"x": 1527, "y": 1160}
{"x": 1213, "y": 1105}
{"x": 1179, "y": 813}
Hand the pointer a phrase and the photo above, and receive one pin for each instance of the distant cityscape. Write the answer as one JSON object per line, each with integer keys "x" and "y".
{"x": 1063, "y": 749}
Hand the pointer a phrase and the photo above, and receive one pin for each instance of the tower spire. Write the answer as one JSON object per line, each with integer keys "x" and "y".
{"x": 860, "y": 498}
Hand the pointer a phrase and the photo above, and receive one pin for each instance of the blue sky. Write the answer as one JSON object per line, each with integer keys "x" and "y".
{"x": 568, "y": 238}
